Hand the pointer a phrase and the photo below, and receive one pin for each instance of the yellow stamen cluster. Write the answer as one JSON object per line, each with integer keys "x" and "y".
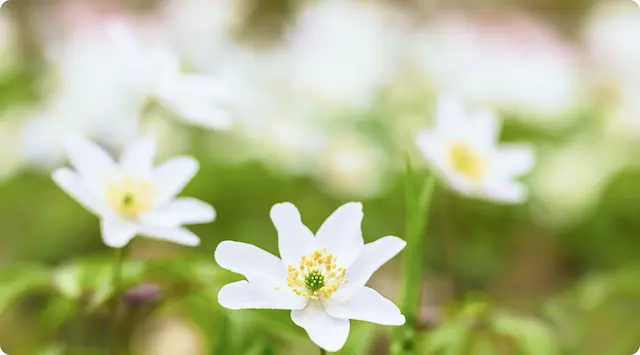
{"x": 317, "y": 277}
{"x": 130, "y": 196}
{"x": 466, "y": 161}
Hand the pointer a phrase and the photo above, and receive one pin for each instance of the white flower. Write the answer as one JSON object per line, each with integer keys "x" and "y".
{"x": 483, "y": 60}
{"x": 1, "y": 351}
{"x": 133, "y": 197}
{"x": 342, "y": 52}
{"x": 463, "y": 149}
{"x": 2, "y": 3}
{"x": 320, "y": 278}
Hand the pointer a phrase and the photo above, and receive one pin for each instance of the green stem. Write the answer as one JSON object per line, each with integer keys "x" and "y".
{"x": 114, "y": 308}
{"x": 418, "y": 202}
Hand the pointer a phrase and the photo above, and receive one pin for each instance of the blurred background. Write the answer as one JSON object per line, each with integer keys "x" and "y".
{"x": 325, "y": 97}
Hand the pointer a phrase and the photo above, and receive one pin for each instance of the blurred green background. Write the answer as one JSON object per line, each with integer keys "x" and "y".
{"x": 332, "y": 93}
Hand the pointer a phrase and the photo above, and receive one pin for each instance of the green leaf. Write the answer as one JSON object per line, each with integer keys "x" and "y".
{"x": 15, "y": 283}
{"x": 531, "y": 335}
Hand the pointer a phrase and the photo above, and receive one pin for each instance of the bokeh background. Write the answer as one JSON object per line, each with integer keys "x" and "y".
{"x": 326, "y": 97}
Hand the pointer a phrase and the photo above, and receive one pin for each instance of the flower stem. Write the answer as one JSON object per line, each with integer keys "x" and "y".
{"x": 417, "y": 204}
{"x": 116, "y": 283}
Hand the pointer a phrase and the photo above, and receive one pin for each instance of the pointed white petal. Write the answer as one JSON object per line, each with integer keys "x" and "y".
{"x": 138, "y": 157}
{"x": 91, "y": 161}
{"x": 294, "y": 238}
{"x": 514, "y": 160}
{"x": 366, "y": 305}
{"x": 73, "y": 185}
{"x": 341, "y": 233}
{"x": 450, "y": 113}
{"x": 245, "y": 295}
{"x": 258, "y": 266}
{"x": 372, "y": 257}
{"x": 433, "y": 149}
{"x": 197, "y": 99}
{"x": 171, "y": 234}
{"x": 325, "y": 331}
{"x": 483, "y": 129}
{"x": 117, "y": 232}
{"x": 172, "y": 176}
{"x": 183, "y": 210}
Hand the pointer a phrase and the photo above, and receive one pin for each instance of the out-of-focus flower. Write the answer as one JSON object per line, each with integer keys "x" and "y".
{"x": 132, "y": 197}
{"x": 341, "y": 53}
{"x": 614, "y": 58}
{"x": 351, "y": 166}
{"x": 463, "y": 149}
{"x": 171, "y": 335}
{"x": 311, "y": 277}
{"x": 201, "y": 30}
{"x": 2, "y": 3}
{"x": 509, "y": 62}
{"x": 148, "y": 292}
{"x": 570, "y": 180}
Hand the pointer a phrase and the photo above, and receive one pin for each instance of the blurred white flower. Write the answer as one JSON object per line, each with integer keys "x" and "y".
{"x": 342, "y": 52}
{"x": 2, "y": 3}
{"x": 351, "y": 166}
{"x": 510, "y": 62}
{"x": 462, "y": 148}
{"x": 611, "y": 37}
{"x": 133, "y": 197}
{"x": 570, "y": 180}
{"x": 201, "y": 30}
{"x": 637, "y": 352}
{"x": 311, "y": 277}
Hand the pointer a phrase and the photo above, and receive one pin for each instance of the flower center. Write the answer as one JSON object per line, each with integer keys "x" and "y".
{"x": 466, "y": 162}
{"x": 130, "y": 196}
{"x": 318, "y": 276}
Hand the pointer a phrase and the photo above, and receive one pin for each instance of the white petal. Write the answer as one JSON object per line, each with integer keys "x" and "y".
{"x": 138, "y": 157}
{"x": 294, "y": 238}
{"x": 372, "y": 257}
{"x": 245, "y": 295}
{"x": 450, "y": 113}
{"x": 432, "y": 149}
{"x": 483, "y": 128}
{"x": 325, "y": 331}
{"x": 172, "y": 176}
{"x": 341, "y": 233}
{"x": 183, "y": 210}
{"x": 171, "y": 234}
{"x": 89, "y": 159}
{"x": 366, "y": 305}
{"x": 507, "y": 192}
{"x": 197, "y": 99}
{"x": 258, "y": 266}
{"x": 73, "y": 185}
{"x": 116, "y": 232}
{"x": 514, "y": 160}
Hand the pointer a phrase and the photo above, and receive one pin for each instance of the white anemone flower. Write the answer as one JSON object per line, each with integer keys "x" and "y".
{"x": 463, "y": 149}
{"x": 320, "y": 278}
{"x": 132, "y": 197}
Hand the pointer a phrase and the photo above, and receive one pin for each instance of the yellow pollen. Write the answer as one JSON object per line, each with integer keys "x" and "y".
{"x": 466, "y": 161}
{"x": 318, "y": 276}
{"x": 130, "y": 196}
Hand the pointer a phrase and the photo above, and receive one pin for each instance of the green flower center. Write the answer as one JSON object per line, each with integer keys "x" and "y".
{"x": 314, "y": 280}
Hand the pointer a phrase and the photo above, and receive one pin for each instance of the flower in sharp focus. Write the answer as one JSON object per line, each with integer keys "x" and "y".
{"x": 132, "y": 197}
{"x": 320, "y": 278}
{"x": 463, "y": 149}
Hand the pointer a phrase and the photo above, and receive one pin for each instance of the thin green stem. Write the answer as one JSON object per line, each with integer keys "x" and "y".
{"x": 418, "y": 202}
{"x": 114, "y": 308}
